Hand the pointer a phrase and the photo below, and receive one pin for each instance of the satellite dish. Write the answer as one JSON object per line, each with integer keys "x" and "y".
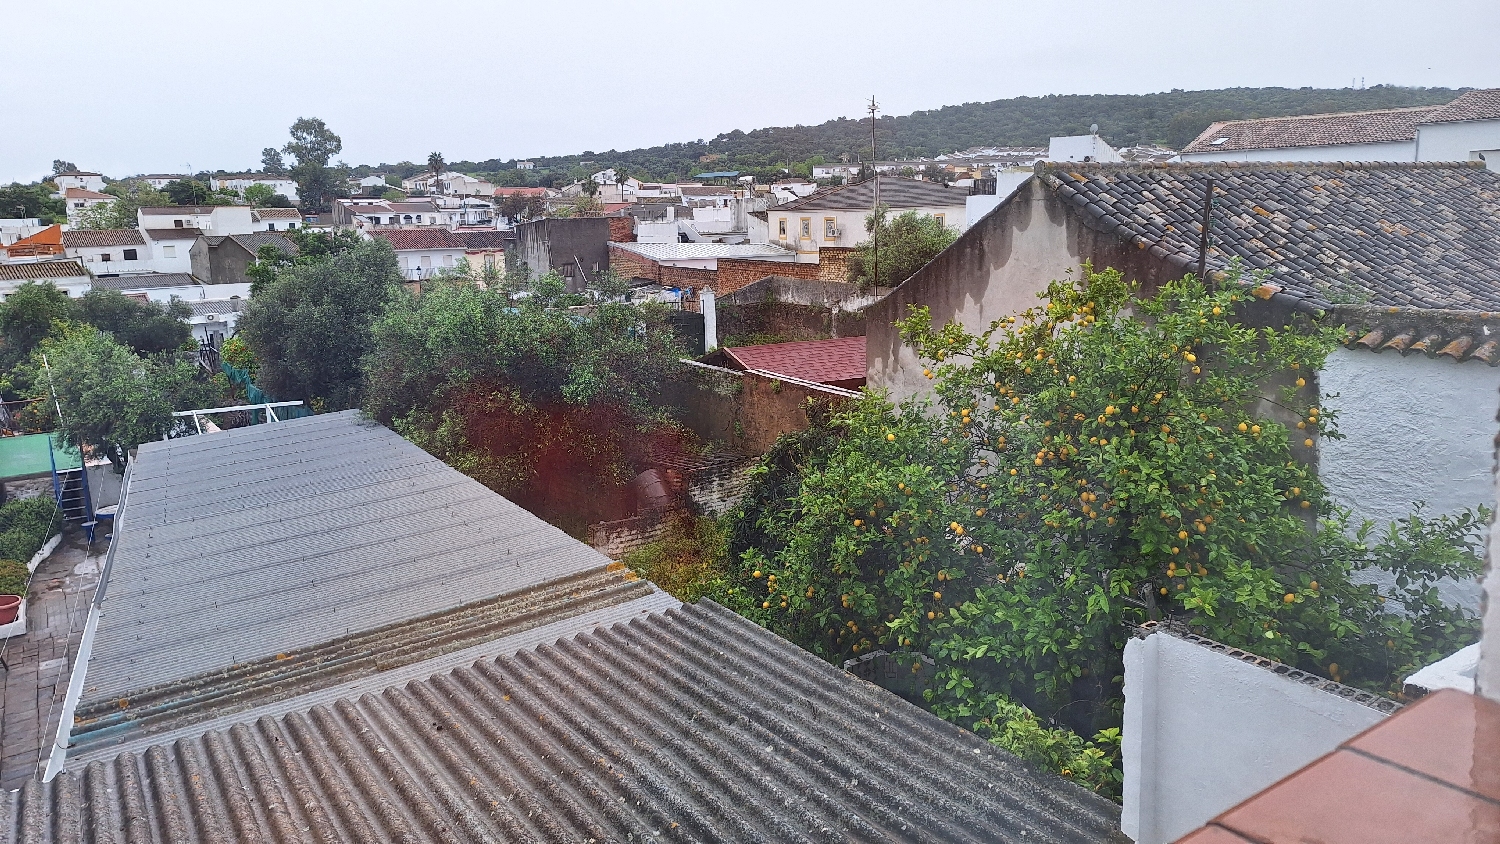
{"x": 1093, "y": 128}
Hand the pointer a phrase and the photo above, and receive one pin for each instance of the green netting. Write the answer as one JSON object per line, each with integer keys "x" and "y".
{"x": 255, "y": 395}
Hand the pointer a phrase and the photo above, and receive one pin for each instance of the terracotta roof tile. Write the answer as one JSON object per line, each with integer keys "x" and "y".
{"x": 1456, "y": 335}
{"x": 38, "y": 270}
{"x": 1314, "y": 130}
{"x": 840, "y": 362}
{"x": 84, "y": 238}
{"x": 1404, "y": 235}
{"x": 1474, "y": 105}
{"x": 81, "y": 193}
{"x": 403, "y": 239}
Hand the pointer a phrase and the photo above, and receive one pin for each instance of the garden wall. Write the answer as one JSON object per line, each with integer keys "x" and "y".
{"x": 742, "y": 411}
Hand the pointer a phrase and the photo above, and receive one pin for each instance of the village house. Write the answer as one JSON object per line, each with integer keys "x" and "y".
{"x": 79, "y": 179}
{"x": 213, "y": 320}
{"x": 276, "y": 219}
{"x": 238, "y": 182}
{"x": 79, "y": 200}
{"x": 161, "y": 180}
{"x": 449, "y": 183}
{"x": 223, "y": 259}
{"x": 421, "y": 253}
{"x": 576, "y": 248}
{"x": 1467, "y": 129}
{"x": 39, "y": 243}
{"x": 371, "y": 214}
{"x": 836, "y": 216}
{"x": 1351, "y": 244}
{"x": 108, "y": 251}
{"x": 68, "y": 276}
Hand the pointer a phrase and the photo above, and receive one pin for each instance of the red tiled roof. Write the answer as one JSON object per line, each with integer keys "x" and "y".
{"x": 840, "y": 362}
{"x": 80, "y": 193}
{"x": 1314, "y": 130}
{"x": 1428, "y": 774}
{"x": 520, "y": 191}
{"x": 403, "y": 239}
{"x": 80, "y": 238}
{"x": 1474, "y": 105}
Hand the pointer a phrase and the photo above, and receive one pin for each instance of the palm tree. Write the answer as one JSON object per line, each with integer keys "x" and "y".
{"x": 437, "y": 167}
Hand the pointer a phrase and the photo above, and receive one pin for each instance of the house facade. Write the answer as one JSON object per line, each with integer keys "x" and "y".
{"x": 1425, "y": 337}
{"x": 422, "y": 253}
{"x": 224, "y": 259}
{"x": 79, "y": 179}
{"x": 577, "y": 248}
{"x": 68, "y": 276}
{"x": 836, "y": 216}
{"x": 283, "y": 185}
{"x": 108, "y": 251}
{"x": 79, "y": 200}
{"x": 276, "y": 219}
{"x": 370, "y": 214}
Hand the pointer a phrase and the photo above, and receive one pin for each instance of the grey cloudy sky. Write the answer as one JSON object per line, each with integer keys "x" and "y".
{"x": 156, "y": 85}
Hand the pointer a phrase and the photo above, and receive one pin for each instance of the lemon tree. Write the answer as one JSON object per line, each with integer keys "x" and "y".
{"x": 1098, "y": 461}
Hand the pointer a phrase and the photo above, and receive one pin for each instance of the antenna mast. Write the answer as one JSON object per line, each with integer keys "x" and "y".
{"x": 875, "y": 209}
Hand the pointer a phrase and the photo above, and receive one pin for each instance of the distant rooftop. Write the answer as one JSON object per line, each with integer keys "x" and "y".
{"x": 1473, "y": 105}
{"x": 839, "y": 362}
{"x": 145, "y": 281}
{"x": 895, "y": 192}
{"x": 85, "y": 238}
{"x": 41, "y": 270}
{"x": 689, "y": 251}
{"x": 1313, "y": 130}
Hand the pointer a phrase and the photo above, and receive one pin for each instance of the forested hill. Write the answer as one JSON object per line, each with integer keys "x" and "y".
{"x": 1173, "y": 118}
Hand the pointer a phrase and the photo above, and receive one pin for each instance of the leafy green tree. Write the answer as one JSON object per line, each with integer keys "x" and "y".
{"x": 27, "y": 316}
{"x": 904, "y": 245}
{"x": 312, "y": 145}
{"x": 271, "y": 162}
{"x": 189, "y": 192}
{"x": 121, "y": 214}
{"x": 146, "y": 327}
{"x": 60, "y": 166}
{"x": 112, "y": 399}
{"x": 1092, "y": 463}
{"x": 311, "y": 324}
{"x": 260, "y": 195}
{"x": 18, "y": 201}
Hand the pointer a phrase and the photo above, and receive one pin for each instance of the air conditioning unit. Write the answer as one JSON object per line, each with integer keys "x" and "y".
{"x": 211, "y": 317}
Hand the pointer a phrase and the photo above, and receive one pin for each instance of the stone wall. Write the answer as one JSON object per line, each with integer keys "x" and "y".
{"x": 742, "y": 411}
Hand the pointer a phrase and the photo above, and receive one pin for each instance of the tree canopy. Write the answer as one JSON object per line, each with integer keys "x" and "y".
{"x": 897, "y": 247}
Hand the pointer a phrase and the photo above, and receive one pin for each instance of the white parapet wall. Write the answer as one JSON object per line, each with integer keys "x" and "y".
{"x": 1207, "y": 726}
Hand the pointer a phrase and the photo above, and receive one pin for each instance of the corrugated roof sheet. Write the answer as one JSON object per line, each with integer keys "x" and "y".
{"x": 1314, "y": 130}
{"x": 838, "y": 361}
{"x": 422, "y": 239}
{"x": 145, "y": 281}
{"x": 1402, "y": 235}
{"x": 895, "y": 192}
{"x": 265, "y": 540}
{"x": 688, "y": 725}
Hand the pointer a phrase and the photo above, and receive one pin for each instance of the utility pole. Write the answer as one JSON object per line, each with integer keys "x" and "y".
{"x": 875, "y": 210}
{"x": 1207, "y": 222}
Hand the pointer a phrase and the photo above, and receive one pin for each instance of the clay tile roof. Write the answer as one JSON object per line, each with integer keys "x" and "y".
{"x": 1474, "y": 105}
{"x": 145, "y": 281}
{"x": 1428, "y": 774}
{"x": 277, "y": 213}
{"x": 38, "y": 270}
{"x": 185, "y": 233}
{"x": 402, "y": 239}
{"x": 1396, "y": 235}
{"x": 894, "y": 191}
{"x": 83, "y": 238}
{"x": 486, "y": 239}
{"x": 80, "y": 193}
{"x": 1455, "y": 335}
{"x": 1314, "y": 130}
{"x": 840, "y": 362}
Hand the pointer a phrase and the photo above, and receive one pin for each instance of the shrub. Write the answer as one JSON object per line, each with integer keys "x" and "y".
{"x": 13, "y": 577}
{"x": 25, "y": 526}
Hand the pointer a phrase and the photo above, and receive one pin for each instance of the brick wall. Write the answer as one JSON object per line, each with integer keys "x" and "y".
{"x": 735, "y": 273}
{"x": 687, "y": 277}
{"x": 622, "y": 229}
{"x": 632, "y": 265}
{"x": 833, "y": 263}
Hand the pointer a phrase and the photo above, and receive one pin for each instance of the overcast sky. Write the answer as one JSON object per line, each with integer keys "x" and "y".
{"x": 158, "y": 85}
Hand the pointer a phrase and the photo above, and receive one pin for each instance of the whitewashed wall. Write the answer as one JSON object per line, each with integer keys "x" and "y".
{"x": 1459, "y": 141}
{"x": 1204, "y": 730}
{"x": 1395, "y": 151}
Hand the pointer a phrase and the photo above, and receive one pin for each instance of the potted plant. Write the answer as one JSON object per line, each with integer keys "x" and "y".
{"x": 13, "y": 578}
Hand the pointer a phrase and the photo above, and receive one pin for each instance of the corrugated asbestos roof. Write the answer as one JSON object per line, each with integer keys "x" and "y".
{"x": 258, "y": 541}
{"x": 895, "y": 192}
{"x": 688, "y": 725}
{"x": 1395, "y": 235}
{"x": 144, "y": 281}
{"x": 690, "y": 251}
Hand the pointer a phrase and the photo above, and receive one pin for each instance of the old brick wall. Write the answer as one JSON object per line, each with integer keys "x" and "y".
{"x": 772, "y": 322}
{"x": 687, "y": 277}
{"x": 629, "y": 264}
{"x": 740, "y": 410}
{"x": 833, "y": 263}
{"x": 735, "y": 273}
{"x": 622, "y": 230}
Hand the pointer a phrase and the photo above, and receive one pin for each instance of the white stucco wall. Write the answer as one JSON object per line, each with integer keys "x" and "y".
{"x": 1460, "y": 141}
{"x": 1396, "y": 151}
{"x": 1204, "y": 730}
{"x": 1487, "y": 675}
{"x": 1414, "y": 427}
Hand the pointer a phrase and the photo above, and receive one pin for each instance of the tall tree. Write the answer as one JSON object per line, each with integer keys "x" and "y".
{"x": 146, "y": 327}
{"x": 906, "y": 243}
{"x": 271, "y": 162}
{"x": 60, "y": 166}
{"x": 312, "y": 145}
{"x": 437, "y": 167}
{"x": 28, "y": 315}
{"x": 18, "y": 201}
{"x": 188, "y": 192}
{"x": 310, "y": 325}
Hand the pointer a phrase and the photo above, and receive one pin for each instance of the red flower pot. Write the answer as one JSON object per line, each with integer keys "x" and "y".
{"x": 10, "y": 607}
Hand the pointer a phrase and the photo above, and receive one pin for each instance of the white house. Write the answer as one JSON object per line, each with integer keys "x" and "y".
{"x": 109, "y": 251}
{"x": 211, "y": 219}
{"x": 1467, "y": 129}
{"x": 276, "y": 219}
{"x": 214, "y": 320}
{"x": 836, "y": 216}
{"x": 835, "y": 171}
{"x": 525, "y": 165}
{"x": 161, "y": 180}
{"x": 155, "y": 286}
{"x": 79, "y": 200}
{"x": 68, "y": 276}
{"x": 449, "y": 184}
{"x": 79, "y": 179}
{"x": 239, "y": 182}
{"x": 421, "y": 253}
{"x": 369, "y": 214}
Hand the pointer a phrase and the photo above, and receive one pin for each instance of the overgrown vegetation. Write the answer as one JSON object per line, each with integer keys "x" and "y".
{"x": 897, "y": 247}
{"x": 1096, "y": 462}
{"x": 688, "y": 562}
{"x": 25, "y": 526}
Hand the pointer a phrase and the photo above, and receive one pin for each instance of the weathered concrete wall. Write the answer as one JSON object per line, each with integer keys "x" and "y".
{"x": 1487, "y": 675}
{"x": 795, "y": 309}
{"x": 742, "y": 411}
{"x": 1206, "y": 727}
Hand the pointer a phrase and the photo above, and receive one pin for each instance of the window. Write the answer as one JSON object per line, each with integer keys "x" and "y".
{"x": 939, "y": 218}
{"x": 781, "y": 224}
{"x": 419, "y": 218}
{"x": 447, "y": 260}
{"x": 169, "y": 252}
{"x": 830, "y": 228}
{"x": 270, "y": 227}
{"x": 130, "y": 255}
{"x": 806, "y": 228}
{"x": 426, "y": 262}
{"x": 406, "y": 219}
{"x": 104, "y": 256}
{"x": 177, "y": 223}
{"x": 290, "y": 226}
